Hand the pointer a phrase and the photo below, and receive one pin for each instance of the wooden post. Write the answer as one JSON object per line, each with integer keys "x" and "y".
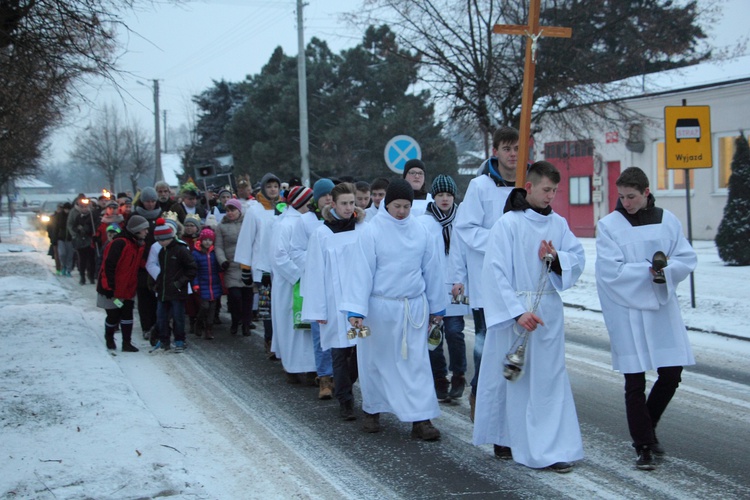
{"x": 532, "y": 31}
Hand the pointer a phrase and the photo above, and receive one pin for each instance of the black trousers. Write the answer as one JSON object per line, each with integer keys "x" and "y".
{"x": 86, "y": 262}
{"x": 123, "y": 317}
{"x": 344, "y": 372}
{"x": 240, "y": 303}
{"x": 643, "y": 414}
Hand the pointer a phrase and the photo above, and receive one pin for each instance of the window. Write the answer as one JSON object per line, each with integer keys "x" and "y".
{"x": 669, "y": 179}
{"x": 726, "y": 147}
{"x": 568, "y": 149}
{"x": 580, "y": 190}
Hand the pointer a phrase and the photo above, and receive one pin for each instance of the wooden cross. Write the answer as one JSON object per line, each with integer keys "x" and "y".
{"x": 533, "y": 31}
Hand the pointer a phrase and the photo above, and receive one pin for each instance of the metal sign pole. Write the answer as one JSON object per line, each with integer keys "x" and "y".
{"x": 689, "y": 226}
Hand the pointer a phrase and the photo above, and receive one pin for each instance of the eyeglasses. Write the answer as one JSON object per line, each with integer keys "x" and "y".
{"x": 415, "y": 173}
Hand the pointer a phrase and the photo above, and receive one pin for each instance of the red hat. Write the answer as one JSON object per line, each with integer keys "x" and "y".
{"x": 207, "y": 234}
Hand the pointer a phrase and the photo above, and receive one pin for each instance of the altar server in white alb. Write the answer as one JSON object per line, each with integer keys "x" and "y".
{"x": 397, "y": 290}
{"x": 293, "y": 346}
{"x": 640, "y": 305}
{"x": 532, "y": 419}
{"x": 327, "y": 280}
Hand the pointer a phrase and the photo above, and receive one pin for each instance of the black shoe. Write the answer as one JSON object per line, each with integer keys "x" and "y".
{"x": 372, "y": 423}
{"x": 346, "y": 411}
{"x": 129, "y": 348}
{"x": 458, "y": 384}
{"x": 245, "y": 330}
{"x": 645, "y": 460}
{"x": 232, "y": 329}
{"x": 503, "y": 452}
{"x": 561, "y": 467}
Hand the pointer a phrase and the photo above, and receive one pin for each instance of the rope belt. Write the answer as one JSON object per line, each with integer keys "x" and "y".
{"x": 408, "y": 320}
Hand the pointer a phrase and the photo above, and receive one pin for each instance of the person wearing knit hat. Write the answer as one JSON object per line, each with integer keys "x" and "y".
{"x": 207, "y": 234}
{"x": 136, "y": 224}
{"x": 163, "y": 232}
{"x": 177, "y": 269}
{"x": 438, "y": 220}
{"x": 148, "y": 194}
{"x": 399, "y": 296}
{"x": 118, "y": 281}
{"x": 207, "y": 286}
{"x": 234, "y": 203}
{"x": 398, "y": 189}
{"x": 415, "y": 174}
{"x": 321, "y": 188}
{"x": 299, "y": 196}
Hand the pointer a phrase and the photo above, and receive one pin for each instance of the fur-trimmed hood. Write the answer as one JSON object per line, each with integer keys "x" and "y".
{"x": 328, "y": 216}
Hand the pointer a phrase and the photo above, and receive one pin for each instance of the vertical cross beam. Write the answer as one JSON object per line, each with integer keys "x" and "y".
{"x": 532, "y": 31}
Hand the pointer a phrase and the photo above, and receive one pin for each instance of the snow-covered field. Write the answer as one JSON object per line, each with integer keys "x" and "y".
{"x": 77, "y": 422}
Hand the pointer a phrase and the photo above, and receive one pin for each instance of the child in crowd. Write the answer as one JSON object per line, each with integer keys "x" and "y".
{"x": 207, "y": 284}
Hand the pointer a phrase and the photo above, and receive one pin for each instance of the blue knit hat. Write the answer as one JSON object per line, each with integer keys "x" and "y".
{"x": 444, "y": 184}
{"x": 322, "y": 187}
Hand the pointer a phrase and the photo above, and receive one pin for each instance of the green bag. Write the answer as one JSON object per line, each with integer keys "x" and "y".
{"x": 297, "y": 309}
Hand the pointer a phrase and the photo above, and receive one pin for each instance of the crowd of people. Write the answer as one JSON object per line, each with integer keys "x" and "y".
{"x": 371, "y": 282}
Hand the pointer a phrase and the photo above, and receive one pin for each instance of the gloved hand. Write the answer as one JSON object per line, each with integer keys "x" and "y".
{"x": 247, "y": 275}
{"x": 196, "y": 288}
{"x": 225, "y": 265}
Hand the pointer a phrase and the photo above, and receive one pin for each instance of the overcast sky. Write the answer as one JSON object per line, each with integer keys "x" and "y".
{"x": 186, "y": 47}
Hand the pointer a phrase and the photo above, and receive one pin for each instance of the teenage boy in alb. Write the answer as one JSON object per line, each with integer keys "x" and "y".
{"x": 642, "y": 315}
{"x": 531, "y": 419}
{"x": 482, "y": 206}
{"x": 377, "y": 194}
{"x": 311, "y": 221}
{"x": 362, "y": 198}
{"x": 439, "y": 222}
{"x": 293, "y": 346}
{"x": 396, "y": 291}
{"x": 415, "y": 173}
{"x": 327, "y": 281}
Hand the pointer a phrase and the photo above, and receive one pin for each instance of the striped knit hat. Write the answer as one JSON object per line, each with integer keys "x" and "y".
{"x": 444, "y": 184}
{"x": 299, "y": 196}
{"x": 163, "y": 230}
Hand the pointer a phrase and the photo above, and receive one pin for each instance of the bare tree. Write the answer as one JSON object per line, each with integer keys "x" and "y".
{"x": 140, "y": 148}
{"x": 480, "y": 75}
{"x": 104, "y": 146}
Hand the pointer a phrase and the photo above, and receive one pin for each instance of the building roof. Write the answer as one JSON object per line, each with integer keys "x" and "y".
{"x": 31, "y": 182}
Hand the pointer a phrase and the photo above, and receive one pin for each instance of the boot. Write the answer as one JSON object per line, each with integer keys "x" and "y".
{"x": 326, "y": 388}
{"x": 127, "y": 331}
{"x": 292, "y": 378}
{"x": 233, "y": 328}
{"x": 458, "y": 384}
{"x": 346, "y": 411}
{"x": 311, "y": 379}
{"x": 245, "y": 330}
{"x": 270, "y": 355}
{"x": 109, "y": 336}
{"x": 209, "y": 333}
{"x": 441, "y": 390}
{"x": 372, "y": 423}
{"x": 425, "y": 431}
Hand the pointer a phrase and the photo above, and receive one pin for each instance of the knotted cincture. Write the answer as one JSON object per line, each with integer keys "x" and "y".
{"x": 516, "y": 357}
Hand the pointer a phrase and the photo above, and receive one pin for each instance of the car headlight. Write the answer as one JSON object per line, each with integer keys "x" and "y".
{"x": 45, "y": 218}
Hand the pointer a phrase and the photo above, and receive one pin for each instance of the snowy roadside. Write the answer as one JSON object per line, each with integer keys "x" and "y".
{"x": 77, "y": 422}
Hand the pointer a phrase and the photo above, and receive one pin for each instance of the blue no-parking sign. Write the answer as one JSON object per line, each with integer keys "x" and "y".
{"x": 399, "y": 150}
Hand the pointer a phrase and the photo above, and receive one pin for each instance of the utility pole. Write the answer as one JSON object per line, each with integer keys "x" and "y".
{"x": 158, "y": 174}
{"x": 304, "y": 144}
{"x": 165, "y": 131}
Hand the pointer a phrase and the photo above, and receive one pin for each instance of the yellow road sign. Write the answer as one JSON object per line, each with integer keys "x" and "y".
{"x": 687, "y": 130}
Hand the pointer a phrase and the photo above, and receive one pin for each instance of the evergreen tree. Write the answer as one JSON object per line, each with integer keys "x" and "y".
{"x": 733, "y": 236}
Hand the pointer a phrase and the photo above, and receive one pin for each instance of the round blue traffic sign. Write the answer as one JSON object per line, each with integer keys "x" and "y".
{"x": 399, "y": 150}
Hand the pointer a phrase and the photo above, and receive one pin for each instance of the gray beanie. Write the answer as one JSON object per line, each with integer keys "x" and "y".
{"x": 148, "y": 194}
{"x": 136, "y": 223}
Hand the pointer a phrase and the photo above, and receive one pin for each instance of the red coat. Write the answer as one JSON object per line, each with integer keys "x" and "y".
{"x": 120, "y": 263}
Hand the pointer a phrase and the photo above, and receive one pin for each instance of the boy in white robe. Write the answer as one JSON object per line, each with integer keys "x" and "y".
{"x": 325, "y": 283}
{"x": 293, "y": 346}
{"x": 481, "y": 208}
{"x": 377, "y": 193}
{"x": 533, "y": 419}
{"x": 643, "y": 316}
{"x": 394, "y": 289}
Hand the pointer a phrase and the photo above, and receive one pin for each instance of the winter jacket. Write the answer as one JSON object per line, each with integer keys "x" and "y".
{"x": 118, "y": 275}
{"x": 179, "y": 209}
{"x": 227, "y": 233}
{"x": 100, "y": 236}
{"x": 207, "y": 279}
{"x": 177, "y": 270}
{"x": 81, "y": 227}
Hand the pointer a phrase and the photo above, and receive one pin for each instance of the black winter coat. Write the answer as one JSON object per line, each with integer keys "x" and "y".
{"x": 177, "y": 270}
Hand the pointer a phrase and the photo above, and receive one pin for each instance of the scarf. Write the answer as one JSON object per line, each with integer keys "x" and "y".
{"x": 148, "y": 214}
{"x": 339, "y": 225}
{"x": 495, "y": 175}
{"x": 445, "y": 220}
